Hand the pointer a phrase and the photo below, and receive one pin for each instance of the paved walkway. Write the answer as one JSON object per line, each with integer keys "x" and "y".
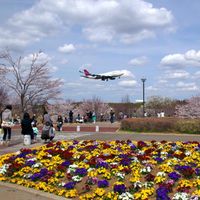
{"x": 10, "y": 191}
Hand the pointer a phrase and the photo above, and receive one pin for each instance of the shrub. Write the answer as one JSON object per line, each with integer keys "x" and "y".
{"x": 149, "y": 124}
{"x": 188, "y": 126}
{"x": 191, "y": 126}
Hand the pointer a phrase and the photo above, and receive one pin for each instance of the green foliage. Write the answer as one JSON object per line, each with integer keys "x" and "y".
{"x": 161, "y": 125}
{"x": 191, "y": 126}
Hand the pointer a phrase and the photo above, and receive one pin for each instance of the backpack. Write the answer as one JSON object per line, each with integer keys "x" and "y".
{"x": 45, "y": 132}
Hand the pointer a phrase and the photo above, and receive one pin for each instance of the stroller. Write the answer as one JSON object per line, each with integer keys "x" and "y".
{"x": 48, "y": 132}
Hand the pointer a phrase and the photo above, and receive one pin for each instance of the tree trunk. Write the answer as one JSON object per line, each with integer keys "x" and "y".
{"x": 22, "y": 103}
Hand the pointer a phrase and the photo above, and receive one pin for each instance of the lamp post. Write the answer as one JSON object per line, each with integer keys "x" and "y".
{"x": 143, "y": 102}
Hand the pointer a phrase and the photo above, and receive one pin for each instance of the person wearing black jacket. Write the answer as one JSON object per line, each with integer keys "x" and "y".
{"x": 26, "y": 126}
{"x": 71, "y": 116}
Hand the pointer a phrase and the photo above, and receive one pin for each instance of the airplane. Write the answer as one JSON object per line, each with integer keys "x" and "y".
{"x": 104, "y": 77}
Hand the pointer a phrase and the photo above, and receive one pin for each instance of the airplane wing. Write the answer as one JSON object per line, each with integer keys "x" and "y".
{"x": 111, "y": 77}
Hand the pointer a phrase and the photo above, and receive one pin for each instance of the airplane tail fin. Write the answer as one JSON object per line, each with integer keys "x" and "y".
{"x": 86, "y": 72}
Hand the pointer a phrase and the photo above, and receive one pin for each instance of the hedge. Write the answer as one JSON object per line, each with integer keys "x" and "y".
{"x": 191, "y": 126}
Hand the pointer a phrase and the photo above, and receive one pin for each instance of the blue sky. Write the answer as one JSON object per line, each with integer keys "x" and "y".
{"x": 155, "y": 39}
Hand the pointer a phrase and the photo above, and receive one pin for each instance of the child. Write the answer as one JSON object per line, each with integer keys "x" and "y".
{"x": 35, "y": 131}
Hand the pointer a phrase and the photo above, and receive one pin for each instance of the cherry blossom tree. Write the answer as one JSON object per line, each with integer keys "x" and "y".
{"x": 3, "y": 97}
{"x": 95, "y": 104}
{"x": 156, "y": 104}
{"x": 190, "y": 110}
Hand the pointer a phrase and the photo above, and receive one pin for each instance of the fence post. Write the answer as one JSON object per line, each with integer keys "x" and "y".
{"x": 97, "y": 128}
{"x": 78, "y": 128}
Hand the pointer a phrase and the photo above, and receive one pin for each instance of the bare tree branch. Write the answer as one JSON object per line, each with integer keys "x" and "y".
{"x": 32, "y": 82}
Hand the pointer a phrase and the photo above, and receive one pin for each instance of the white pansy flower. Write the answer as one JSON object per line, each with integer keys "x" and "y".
{"x": 31, "y": 159}
{"x": 27, "y": 176}
{"x": 141, "y": 152}
{"x": 126, "y": 196}
{"x": 135, "y": 159}
{"x": 120, "y": 176}
{"x": 77, "y": 178}
{"x": 187, "y": 153}
{"x": 61, "y": 184}
{"x": 37, "y": 165}
{"x": 91, "y": 169}
{"x": 181, "y": 196}
{"x": 72, "y": 168}
{"x": 148, "y": 184}
{"x": 137, "y": 184}
{"x": 145, "y": 170}
{"x": 162, "y": 174}
{"x": 4, "y": 168}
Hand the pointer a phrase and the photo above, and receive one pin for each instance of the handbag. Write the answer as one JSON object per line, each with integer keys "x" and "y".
{"x": 7, "y": 124}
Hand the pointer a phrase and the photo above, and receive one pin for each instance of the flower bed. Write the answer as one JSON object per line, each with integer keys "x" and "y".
{"x": 108, "y": 170}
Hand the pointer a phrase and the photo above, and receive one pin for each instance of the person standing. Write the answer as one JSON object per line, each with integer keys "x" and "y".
{"x": 27, "y": 126}
{"x": 90, "y": 116}
{"x": 162, "y": 114}
{"x": 59, "y": 123}
{"x": 71, "y": 116}
{"x": 34, "y": 120}
{"x": 47, "y": 118}
{"x": 101, "y": 117}
{"x": 112, "y": 115}
{"x": 94, "y": 118}
{"x": 7, "y": 123}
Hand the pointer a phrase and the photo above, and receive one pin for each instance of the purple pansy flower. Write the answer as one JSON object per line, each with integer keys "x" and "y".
{"x": 102, "y": 183}
{"x": 121, "y": 188}
{"x": 69, "y": 185}
{"x": 174, "y": 176}
{"x": 162, "y": 194}
{"x": 81, "y": 172}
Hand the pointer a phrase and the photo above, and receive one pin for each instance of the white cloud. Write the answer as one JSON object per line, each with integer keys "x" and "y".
{"x": 128, "y": 83}
{"x": 186, "y": 86}
{"x": 162, "y": 81}
{"x": 53, "y": 69}
{"x": 41, "y": 58}
{"x": 126, "y": 73}
{"x": 138, "y": 61}
{"x": 176, "y": 74}
{"x": 67, "y": 48}
{"x": 73, "y": 84}
{"x": 64, "y": 61}
{"x": 188, "y": 59}
{"x": 129, "y": 38}
{"x": 97, "y": 34}
{"x": 127, "y": 21}
{"x": 151, "y": 88}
